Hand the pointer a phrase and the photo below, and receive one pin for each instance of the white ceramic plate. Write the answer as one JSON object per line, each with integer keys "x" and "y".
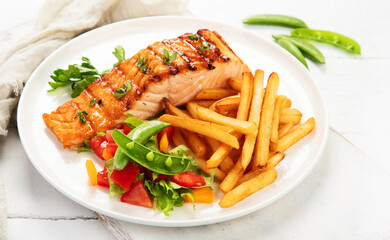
{"x": 65, "y": 169}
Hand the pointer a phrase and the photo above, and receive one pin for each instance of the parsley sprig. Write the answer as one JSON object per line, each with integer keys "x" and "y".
{"x": 92, "y": 102}
{"x": 78, "y": 77}
{"x": 206, "y": 46}
{"x": 120, "y": 92}
{"x": 81, "y": 117}
{"x": 168, "y": 60}
{"x": 141, "y": 64}
{"x": 193, "y": 37}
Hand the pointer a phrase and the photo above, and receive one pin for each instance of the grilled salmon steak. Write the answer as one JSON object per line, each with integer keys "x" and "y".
{"x": 204, "y": 60}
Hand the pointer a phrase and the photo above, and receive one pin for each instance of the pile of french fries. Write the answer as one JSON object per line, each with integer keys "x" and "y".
{"x": 239, "y": 133}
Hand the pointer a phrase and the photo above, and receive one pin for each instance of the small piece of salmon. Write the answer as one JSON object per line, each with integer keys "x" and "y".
{"x": 204, "y": 60}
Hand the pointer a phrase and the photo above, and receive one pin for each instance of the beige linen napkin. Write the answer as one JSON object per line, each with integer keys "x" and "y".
{"x": 24, "y": 47}
{"x": 58, "y": 22}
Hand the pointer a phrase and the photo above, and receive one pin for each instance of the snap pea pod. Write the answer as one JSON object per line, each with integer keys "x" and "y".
{"x": 289, "y": 46}
{"x": 153, "y": 160}
{"x": 141, "y": 134}
{"x": 307, "y": 48}
{"x": 332, "y": 38}
{"x": 274, "y": 19}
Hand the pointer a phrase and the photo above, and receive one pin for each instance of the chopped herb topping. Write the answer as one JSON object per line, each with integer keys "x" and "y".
{"x": 142, "y": 62}
{"x": 168, "y": 60}
{"x": 81, "y": 117}
{"x": 193, "y": 37}
{"x": 206, "y": 46}
{"x": 120, "y": 92}
{"x": 92, "y": 102}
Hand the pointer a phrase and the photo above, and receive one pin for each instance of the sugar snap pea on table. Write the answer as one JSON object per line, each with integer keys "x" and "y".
{"x": 332, "y": 38}
{"x": 307, "y": 48}
{"x": 289, "y": 46}
{"x": 140, "y": 134}
{"x": 276, "y": 20}
{"x": 153, "y": 160}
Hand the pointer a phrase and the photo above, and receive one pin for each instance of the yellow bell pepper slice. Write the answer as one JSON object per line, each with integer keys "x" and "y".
{"x": 92, "y": 172}
{"x": 164, "y": 144}
{"x": 201, "y": 195}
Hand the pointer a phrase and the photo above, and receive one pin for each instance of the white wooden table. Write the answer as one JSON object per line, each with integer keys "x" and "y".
{"x": 356, "y": 90}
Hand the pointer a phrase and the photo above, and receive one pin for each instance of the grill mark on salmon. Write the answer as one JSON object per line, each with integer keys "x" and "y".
{"x": 192, "y": 71}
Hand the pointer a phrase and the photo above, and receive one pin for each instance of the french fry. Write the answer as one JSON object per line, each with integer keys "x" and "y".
{"x": 201, "y": 163}
{"x": 191, "y": 108}
{"x": 285, "y": 128}
{"x": 246, "y": 96}
{"x": 275, "y": 121}
{"x": 232, "y": 177}
{"x": 272, "y": 162}
{"x": 291, "y": 138}
{"x": 287, "y": 103}
{"x": 254, "y": 116}
{"x": 224, "y": 162}
{"x": 247, "y": 188}
{"x": 290, "y": 111}
{"x": 227, "y": 104}
{"x": 239, "y": 125}
{"x": 235, "y": 84}
{"x": 204, "y": 103}
{"x": 264, "y": 135}
{"x": 194, "y": 142}
{"x": 287, "y": 118}
{"x": 215, "y": 93}
{"x": 202, "y": 128}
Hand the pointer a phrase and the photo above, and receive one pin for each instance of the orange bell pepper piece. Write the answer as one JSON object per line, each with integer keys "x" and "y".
{"x": 92, "y": 172}
{"x": 201, "y": 195}
{"x": 106, "y": 155}
{"x": 164, "y": 143}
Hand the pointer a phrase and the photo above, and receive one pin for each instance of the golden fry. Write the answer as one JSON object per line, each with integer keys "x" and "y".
{"x": 264, "y": 135}
{"x": 172, "y": 109}
{"x": 272, "y": 162}
{"x": 204, "y": 103}
{"x": 235, "y": 84}
{"x": 227, "y": 104}
{"x": 275, "y": 121}
{"x": 246, "y": 96}
{"x": 287, "y": 118}
{"x": 254, "y": 116}
{"x": 291, "y": 138}
{"x": 239, "y": 125}
{"x": 201, "y": 127}
{"x": 247, "y": 188}
{"x": 285, "y": 128}
{"x": 232, "y": 177}
{"x": 191, "y": 108}
{"x": 215, "y": 93}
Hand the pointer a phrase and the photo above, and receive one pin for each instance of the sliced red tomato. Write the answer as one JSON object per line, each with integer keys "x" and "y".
{"x": 125, "y": 177}
{"x": 188, "y": 179}
{"x": 137, "y": 195}
{"x": 126, "y": 128}
{"x": 109, "y": 135}
{"x": 111, "y": 148}
{"x": 102, "y": 179}
{"x": 98, "y": 143}
{"x": 169, "y": 130}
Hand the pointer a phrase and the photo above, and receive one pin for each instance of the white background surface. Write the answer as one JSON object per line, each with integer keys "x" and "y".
{"x": 356, "y": 90}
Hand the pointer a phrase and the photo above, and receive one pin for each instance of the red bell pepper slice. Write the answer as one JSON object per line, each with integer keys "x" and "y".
{"x": 111, "y": 148}
{"x": 169, "y": 130}
{"x": 126, "y": 129}
{"x": 137, "y": 195}
{"x": 125, "y": 177}
{"x": 102, "y": 179}
{"x": 97, "y": 144}
{"x": 188, "y": 179}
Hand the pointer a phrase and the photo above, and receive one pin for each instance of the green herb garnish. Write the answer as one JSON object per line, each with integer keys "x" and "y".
{"x": 80, "y": 76}
{"x": 120, "y": 92}
{"x": 168, "y": 60}
{"x": 206, "y": 46}
{"x": 119, "y": 53}
{"x": 192, "y": 37}
{"x": 142, "y": 62}
{"x": 81, "y": 117}
{"x": 92, "y": 102}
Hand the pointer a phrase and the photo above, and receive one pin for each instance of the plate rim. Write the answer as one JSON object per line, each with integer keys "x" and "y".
{"x": 177, "y": 223}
